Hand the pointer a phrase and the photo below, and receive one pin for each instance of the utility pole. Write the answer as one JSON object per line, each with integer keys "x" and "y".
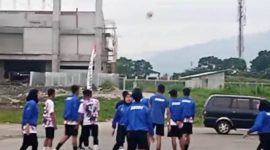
{"x": 242, "y": 23}
{"x": 29, "y": 5}
{"x": 43, "y": 4}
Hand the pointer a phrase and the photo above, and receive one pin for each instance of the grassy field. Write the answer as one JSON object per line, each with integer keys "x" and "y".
{"x": 107, "y": 105}
{"x": 14, "y": 115}
{"x": 200, "y": 95}
{"x": 150, "y": 85}
{"x": 245, "y": 79}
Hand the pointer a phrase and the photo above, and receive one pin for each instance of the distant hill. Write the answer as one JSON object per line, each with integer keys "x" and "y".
{"x": 178, "y": 60}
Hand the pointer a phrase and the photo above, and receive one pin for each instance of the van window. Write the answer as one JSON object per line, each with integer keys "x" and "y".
{"x": 222, "y": 102}
{"x": 241, "y": 103}
{"x": 255, "y": 104}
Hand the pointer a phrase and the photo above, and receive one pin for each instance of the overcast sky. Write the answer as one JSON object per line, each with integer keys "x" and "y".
{"x": 180, "y": 23}
{"x": 175, "y": 23}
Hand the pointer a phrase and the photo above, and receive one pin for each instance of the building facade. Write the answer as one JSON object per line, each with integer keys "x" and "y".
{"x": 209, "y": 80}
{"x": 55, "y": 41}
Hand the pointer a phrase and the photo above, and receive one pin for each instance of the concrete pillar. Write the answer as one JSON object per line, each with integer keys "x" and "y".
{"x": 113, "y": 67}
{"x": 98, "y": 36}
{"x": 2, "y": 70}
{"x": 56, "y": 35}
{"x": 48, "y": 66}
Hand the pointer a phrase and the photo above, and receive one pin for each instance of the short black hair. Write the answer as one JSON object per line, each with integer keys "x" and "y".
{"x": 173, "y": 93}
{"x": 264, "y": 106}
{"x": 74, "y": 88}
{"x": 125, "y": 94}
{"x": 186, "y": 91}
{"x": 51, "y": 92}
{"x": 87, "y": 93}
{"x": 137, "y": 94}
{"x": 161, "y": 88}
{"x": 33, "y": 95}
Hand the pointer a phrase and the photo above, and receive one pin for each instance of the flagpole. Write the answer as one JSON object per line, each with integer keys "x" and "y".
{"x": 90, "y": 69}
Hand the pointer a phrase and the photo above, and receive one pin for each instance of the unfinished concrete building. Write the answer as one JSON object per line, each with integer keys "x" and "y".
{"x": 55, "y": 41}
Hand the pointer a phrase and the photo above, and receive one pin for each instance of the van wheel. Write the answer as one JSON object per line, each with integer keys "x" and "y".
{"x": 223, "y": 127}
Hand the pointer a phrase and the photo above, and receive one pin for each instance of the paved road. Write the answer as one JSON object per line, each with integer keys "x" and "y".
{"x": 203, "y": 139}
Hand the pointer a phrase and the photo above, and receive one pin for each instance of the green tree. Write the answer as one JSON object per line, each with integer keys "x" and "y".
{"x": 235, "y": 63}
{"x": 130, "y": 68}
{"x": 176, "y": 76}
{"x": 210, "y": 62}
{"x": 261, "y": 62}
{"x": 142, "y": 68}
{"x": 125, "y": 67}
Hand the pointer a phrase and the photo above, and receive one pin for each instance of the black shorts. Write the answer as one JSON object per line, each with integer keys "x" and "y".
{"x": 30, "y": 140}
{"x": 49, "y": 132}
{"x": 159, "y": 128}
{"x": 90, "y": 130}
{"x": 187, "y": 128}
{"x": 137, "y": 139}
{"x": 121, "y": 134}
{"x": 94, "y": 130}
{"x": 71, "y": 130}
{"x": 175, "y": 132}
{"x": 264, "y": 141}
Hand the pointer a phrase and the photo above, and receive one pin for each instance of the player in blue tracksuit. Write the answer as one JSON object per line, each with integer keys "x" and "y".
{"x": 71, "y": 118}
{"x": 124, "y": 94}
{"x": 138, "y": 123}
{"x": 30, "y": 120}
{"x": 145, "y": 101}
{"x": 262, "y": 126}
{"x": 158, "y": 106}
{"x": 174, "y": 115}
{"x": 188, "y": 115}
{"x": 119, "y": 119}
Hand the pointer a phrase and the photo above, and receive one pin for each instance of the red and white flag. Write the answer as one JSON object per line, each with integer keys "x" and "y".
{"x": 90, "y": 68}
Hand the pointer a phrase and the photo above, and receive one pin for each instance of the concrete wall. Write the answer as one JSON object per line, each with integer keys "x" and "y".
{"x": 68, "y": 22}
{"x": 70, "y": 45}
{"x": 11, "y": 43}
{"x": 214, "y": 81}
{"x": 194, "y": 83}
{"x": 86, "y": 44}
{"x": 32, "y": 34}
{"x": 12, "y": 19}
{"x": 25, "y": 19}
{"x": 40, "y": 44}
{"x": 86, "y": 20}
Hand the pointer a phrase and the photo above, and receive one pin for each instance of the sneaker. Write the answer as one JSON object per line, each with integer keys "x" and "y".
{"x": 95, "y": 147}
{"x": 89, "y": 148}
{"x": 121, "y": 148}
{"x": 81, "y": 148}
